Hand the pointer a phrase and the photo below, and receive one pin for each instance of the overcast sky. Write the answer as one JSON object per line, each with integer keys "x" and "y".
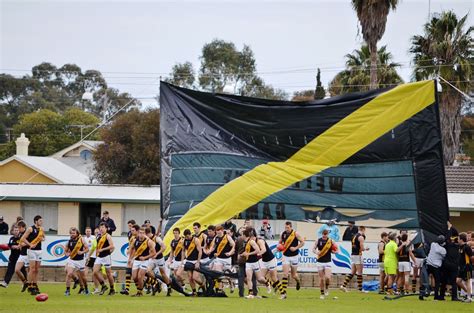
{"x": 133, "y": 43}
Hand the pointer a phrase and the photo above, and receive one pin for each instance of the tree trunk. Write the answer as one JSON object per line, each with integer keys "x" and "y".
{"x": 450, "y": 118}
{"x": 373, "y": 66}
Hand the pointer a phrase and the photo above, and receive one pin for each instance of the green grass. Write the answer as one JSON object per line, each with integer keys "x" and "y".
{"x": 305, "y": 300}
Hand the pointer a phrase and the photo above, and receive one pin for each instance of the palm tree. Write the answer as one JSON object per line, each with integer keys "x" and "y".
{"x": 372, "y": 15}
{"x": 356, "y": 76}
{"x": 446, "y": 49}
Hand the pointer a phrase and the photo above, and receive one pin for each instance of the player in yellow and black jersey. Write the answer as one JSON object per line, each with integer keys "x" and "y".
{"x": 131, "y": 235}
{"x": 142, "y": 250}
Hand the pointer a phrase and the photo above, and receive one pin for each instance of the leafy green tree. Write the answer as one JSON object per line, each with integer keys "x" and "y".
{"x": 319, "y": 92}
{"x": 50, "y": 132}
{"x": 356, "y": 76}
{"x": 446, "y": 49}
{"x": 132, "y": 156}
{"x": 372, "y": 15}
{"x": 182, "y": 74}
{"x": 57, "y": 90}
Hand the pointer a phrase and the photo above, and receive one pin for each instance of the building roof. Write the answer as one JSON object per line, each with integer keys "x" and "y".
{"x": 460, "y": 179}
{"x": 80, "y": 193}
{"x": 51, "y": 168}
{"x": 90, "y": 144}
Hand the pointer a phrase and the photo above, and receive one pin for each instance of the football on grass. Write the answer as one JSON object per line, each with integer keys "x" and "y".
{"x": 41, "y": 297}
{"x": 4, "y": 247}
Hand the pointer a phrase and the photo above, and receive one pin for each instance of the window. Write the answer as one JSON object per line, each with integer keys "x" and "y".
{"x": 47, "y": 210}
{"x": 140, "y": 213}
{"x": 85, "y": 154}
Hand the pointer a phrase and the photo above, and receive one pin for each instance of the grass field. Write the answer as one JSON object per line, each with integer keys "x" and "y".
{"x": 305, "y": 300}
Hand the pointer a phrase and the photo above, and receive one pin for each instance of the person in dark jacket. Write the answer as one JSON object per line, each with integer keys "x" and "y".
{"x": 449, "y": 270}
{"x": 350, "y": 231}
{"x": 14, "y": 245}
{"x": 3, "y": 227}
{"x": 110, "y": 224}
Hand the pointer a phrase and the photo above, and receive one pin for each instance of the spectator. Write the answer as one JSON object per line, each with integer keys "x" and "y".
{"x": 452, "y": 232}
{"x": 3, "y": 227}
{"x": 148, "y": 224}
{"x": 266, "y": 231}
{"x": 449, "y": 270}
{"x": 110, "y": 222}
{"x": 434, "y": 261}
{"x": 350, "y": 231}
{"x": 333, "y": 230}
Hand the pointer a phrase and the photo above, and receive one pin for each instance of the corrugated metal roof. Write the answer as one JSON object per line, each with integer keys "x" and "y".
{"x": 51, "y": 168}
{"x": 80, "y": 193}
{"x": 460, "y": 179}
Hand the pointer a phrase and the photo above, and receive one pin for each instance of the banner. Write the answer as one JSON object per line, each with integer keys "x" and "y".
{"x": 54, "y": 247}
{"x": 372, "y": 157}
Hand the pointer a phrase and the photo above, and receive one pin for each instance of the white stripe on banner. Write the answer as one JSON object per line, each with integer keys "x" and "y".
{"x": 54, "y": 246}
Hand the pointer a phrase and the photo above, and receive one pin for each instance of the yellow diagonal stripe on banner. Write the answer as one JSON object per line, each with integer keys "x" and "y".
{"x": 331, "y": 148}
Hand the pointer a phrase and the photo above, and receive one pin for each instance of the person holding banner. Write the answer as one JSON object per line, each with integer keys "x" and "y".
{"x": 32, "y": 238}
{"x": 75, "y": 249}
{"x": 289, "y": 245}
{"x": 105, "y": 247}
{"x": 142, "y": 250}
{"x": 357, "y": 265}
{"x": 323, "y": 249}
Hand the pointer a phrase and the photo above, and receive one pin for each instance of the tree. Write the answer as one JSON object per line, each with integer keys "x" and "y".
{"x": 319, "y": 92}
{"x": 356, "y": 76}
{"x": 182, "y": 74}
{"x": 50, "y": 132}
{"x": 304, "y": 95}
{"x": 372, "y": 15}
{"x": 446, "y": 49}
{"x": 56, "y": 90}
{"x": 131, "y": 156}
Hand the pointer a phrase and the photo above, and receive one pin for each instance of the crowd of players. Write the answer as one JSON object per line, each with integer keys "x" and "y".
{"x": 224, "y": 249}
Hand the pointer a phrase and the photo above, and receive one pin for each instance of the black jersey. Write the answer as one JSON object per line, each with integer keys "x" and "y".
{"x": 221, "y": 252}
{"x": 192, "y": 252}
{"x": 209, "y": 240}
{"x": 177, "y": 247}
{"x": 14, "y": 241}
{"x": 141, "y": 252}
{"x": 157, "y": 248}
{"x": 24, "y": 249}
{"x": 356, "y": 244}
{"x": 268, "y": 255}
{"x": 381, "y": 255}
{"x": 105, "y": 253}
{"x": 294, "y": 243}
{"x": 35, "y": 232}
{"x": 465, "y": 254}
{"x": 419, "y": 250}
{"x": 203, "y": 243}
{"x": 326, "y": 258}
{"x": 403, "y": 254}
{"x": 251, "y": 258}
{"x": 71, "y": 244}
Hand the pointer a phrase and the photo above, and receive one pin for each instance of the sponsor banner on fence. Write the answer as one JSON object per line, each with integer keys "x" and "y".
{"x": 54, "y": 248}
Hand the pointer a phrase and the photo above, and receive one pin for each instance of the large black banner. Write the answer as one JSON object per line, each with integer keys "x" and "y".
{"x": 397, "y": 180}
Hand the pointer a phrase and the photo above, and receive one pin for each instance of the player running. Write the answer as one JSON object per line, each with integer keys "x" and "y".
{"x": 142, "y": 250}
{"x": 323, "y": 249}
{"x": 105, "y": 247}
{"x": 291, "y": 242}
{"x": 76, "y": 248}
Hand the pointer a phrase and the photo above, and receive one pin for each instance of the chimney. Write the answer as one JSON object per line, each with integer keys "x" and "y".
{"x": 22, "y": 145}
